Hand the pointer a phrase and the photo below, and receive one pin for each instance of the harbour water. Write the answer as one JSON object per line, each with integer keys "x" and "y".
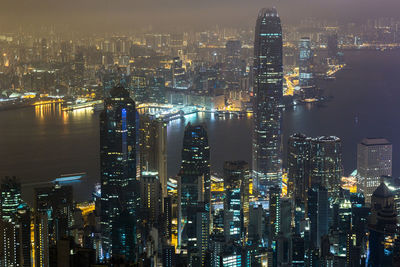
{"x": 38, "y": 144}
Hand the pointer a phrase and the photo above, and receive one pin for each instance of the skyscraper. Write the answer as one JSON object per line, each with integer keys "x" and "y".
{"x": 56, "y": 203}
{"x": 268, "y": 82}
{"x": 306, "y": 81}
{"x": 119, "y": 184}
{"x": 196, "y": 156}
{"x": 10, "y": 198}
{"x": 194, "y": 186}
{"x": 326, "y": 164}
{"x": 274, "y": 212}
{"x": 305, "y": 60}
{"x": 318, "y": 206}
{"x": 374, "y": 159}
{"x": 298, "y": 165}
{"x": 382, "y": 227}
{"x": 153, "y": 148}
{"x": 150, "y": 197}
{"x": 236, "y": 204}
{"x": 234, "y": 67}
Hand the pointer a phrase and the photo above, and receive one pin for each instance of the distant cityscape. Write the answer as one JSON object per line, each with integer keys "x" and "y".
{"x": 292, "y": 205}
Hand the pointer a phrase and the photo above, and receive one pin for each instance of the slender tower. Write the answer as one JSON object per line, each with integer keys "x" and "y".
{"x": 268, "y": 83}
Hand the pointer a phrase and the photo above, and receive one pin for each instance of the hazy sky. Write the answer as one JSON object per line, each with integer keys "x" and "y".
{"x": 183, "y": 12}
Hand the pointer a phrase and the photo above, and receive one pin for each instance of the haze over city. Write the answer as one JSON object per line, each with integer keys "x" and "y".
{"x": 116, "y": 15}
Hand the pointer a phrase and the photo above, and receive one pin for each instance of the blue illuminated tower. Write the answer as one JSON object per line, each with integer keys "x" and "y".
{"x": 119, "y": 185}
{"x": 268, "y": 83}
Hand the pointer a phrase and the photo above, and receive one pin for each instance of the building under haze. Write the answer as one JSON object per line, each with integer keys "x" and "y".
{"x": 306, "y": 79}
{"x": 374, "y": 159}
{"x": 268, "y": 86}
{"x": 119, "y": 184}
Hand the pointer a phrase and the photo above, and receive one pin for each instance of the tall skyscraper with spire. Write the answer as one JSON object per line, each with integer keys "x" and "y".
{"x": 268, "y": 85}
{"x": 119, "y": 184}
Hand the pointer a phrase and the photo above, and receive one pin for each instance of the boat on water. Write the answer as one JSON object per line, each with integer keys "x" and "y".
{"x": 81, "y": 104}
{"x": 98, "y": 107}
{"x": 329, "y": 78}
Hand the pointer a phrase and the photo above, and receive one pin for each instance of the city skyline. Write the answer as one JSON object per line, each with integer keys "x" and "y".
{"x": 244, "y": 146}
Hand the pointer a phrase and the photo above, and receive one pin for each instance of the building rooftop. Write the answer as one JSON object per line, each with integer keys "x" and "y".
{"x": 268, "y": 12}
{"x": 119, "y": 91}
{"x": 382, "y": 191}
{"x": 375, "y": 141}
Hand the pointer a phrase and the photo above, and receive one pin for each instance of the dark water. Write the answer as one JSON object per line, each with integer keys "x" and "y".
{"x": 38, "y": 144}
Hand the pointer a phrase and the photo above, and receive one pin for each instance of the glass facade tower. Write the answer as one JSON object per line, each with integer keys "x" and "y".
{"x": 195, "y": 183}
{"x": 268, "y": 82}
{"x": 119, "y": 184}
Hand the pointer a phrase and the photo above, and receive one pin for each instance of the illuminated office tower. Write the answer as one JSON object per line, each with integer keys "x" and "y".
{"x": 236, "y": 203}
{"x": 41, "y": 229}
{"x": 8, "y": 248}
{"x": 194, "y": 183}
{"x": 119, "y": 184}
{"x": 374, "y": 159}
{"x": 233, "y": 64}
{"x": 57, "y": 203}
{"x": 153, "y": 148}
{"x": 150, "y": 196}
{"x": 274, "y": 212}
{"x": 16, "y": 219}
{"x": 123, "y": 237}
{"x": 79, "y": 66}
{"x": 305, "y": 62}
{"x": 326, "y": 164}
{"x": 10, "y": 198}
{"x": 168, "y": 256}
{"x": 298, "y": 160}
{"x": 196, "y": 157}
{"x": 197, "y": 233}
{"x": 217, "y": 244}
{"x": 24, "y": 235}
{"x": 306, "y": 81}
{"x": 231, "y": 256}
{"x": 268, "y": 83}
